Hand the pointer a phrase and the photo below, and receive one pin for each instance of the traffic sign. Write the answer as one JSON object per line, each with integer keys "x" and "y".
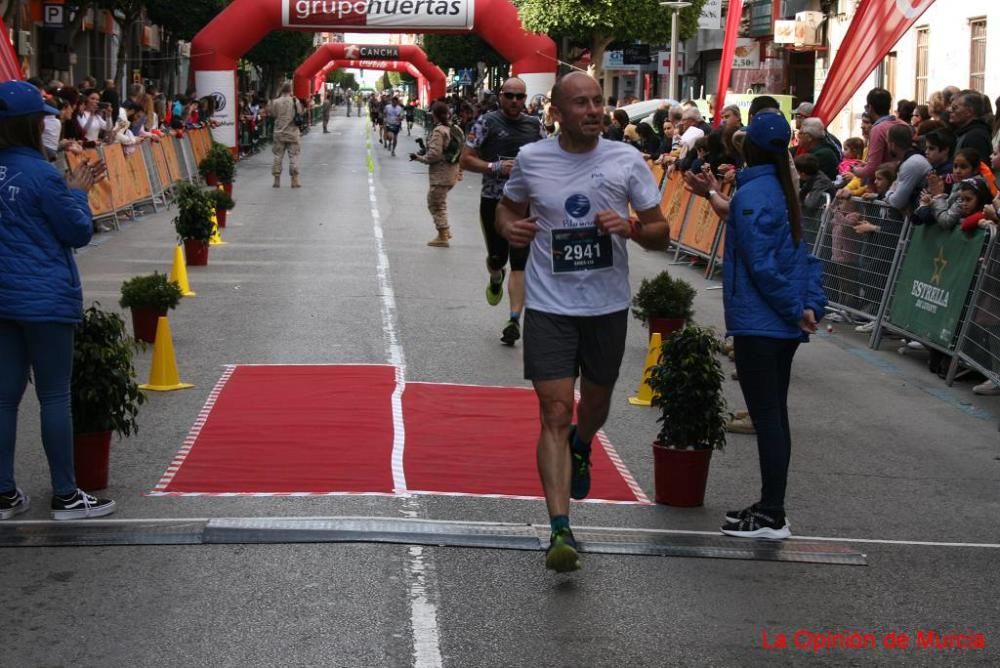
{"x": 53, "y": 16}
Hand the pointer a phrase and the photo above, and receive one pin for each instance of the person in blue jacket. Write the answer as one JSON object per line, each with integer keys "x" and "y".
{"x": 773, "y": 298}
{"x": 43, "y": 217}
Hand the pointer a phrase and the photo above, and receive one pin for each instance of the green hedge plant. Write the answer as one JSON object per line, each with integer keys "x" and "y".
{"x": 663, "y": 297}
{"x": 195, "y": 208}
{"x": 687, "y": 385}
{"x": 153, "y": 291}
{"x": 105, "y": 396}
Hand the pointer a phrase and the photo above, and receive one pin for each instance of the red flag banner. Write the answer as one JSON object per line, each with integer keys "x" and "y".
{"x": 10, "y": 65}
{"x": 728, "y": 55}
{"x": 877, "y": 26}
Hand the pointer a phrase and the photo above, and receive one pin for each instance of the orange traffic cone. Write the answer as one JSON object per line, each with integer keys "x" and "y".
{"x": 163, "y": 375}
{"x": 644, "y": 396}
{"x": 216, "y": 239}
{"x": 179, "y": 272}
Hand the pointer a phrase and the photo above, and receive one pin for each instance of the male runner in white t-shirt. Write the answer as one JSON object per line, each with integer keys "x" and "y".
{"x": 578, "y": 188}
{"x": 393, "y": 116}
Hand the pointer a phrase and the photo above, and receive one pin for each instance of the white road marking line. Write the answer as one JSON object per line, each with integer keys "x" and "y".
{"x": 420, "y": 568}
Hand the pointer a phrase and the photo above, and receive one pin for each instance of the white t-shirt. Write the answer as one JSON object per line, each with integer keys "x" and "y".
{"x": 588, "y": 272}
{"x": 393, "y": 115}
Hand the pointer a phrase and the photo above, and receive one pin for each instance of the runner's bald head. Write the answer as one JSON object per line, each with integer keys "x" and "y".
{"x": 569, "y": 84}
{"x": 514, "y": 85}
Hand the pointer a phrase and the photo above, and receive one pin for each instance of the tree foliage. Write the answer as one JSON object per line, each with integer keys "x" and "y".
{"x": 460, "y": 51}
{"x": 342, "y": 78}
{"x": 184, "y": 18}
{"x": 595, "y": 24}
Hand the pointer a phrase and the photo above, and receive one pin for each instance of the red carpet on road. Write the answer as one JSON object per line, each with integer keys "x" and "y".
{"x": 482, "y": 440}
{"x": 330, "y": 429}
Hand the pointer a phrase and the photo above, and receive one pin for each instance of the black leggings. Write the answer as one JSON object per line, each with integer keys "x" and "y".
{"x": 497, "y": 248}
{"x": 764, "y": 366}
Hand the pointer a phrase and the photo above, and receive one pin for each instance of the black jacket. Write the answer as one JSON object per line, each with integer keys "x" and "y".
{"x": 978, "y": 135}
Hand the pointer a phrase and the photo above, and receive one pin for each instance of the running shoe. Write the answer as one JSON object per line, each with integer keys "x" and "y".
{"x": 79, "y": 506}
{"x": 580, "y": 482}
{"x": 494, "y": 289}
{"x": 511, "y": 333}
{"x": 737, "y": 515}
{"x": 562, "y": 556}
{"x": 13, "y": 503}
{"x": 756, "y": 523}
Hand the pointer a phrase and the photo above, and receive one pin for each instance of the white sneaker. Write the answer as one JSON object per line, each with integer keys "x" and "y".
{"x": 833, "y": 316}
{"x": 866, "y": 328}
{"x": 987, "y": 389}
{"x": 915, "y": 345}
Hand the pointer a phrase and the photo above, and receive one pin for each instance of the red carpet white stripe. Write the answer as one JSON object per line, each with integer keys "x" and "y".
{"x": 192, "y": 436}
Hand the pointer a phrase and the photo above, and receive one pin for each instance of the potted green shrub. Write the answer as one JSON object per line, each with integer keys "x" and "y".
{"x": 218, "y": 166}
{"x": 149, "y": 297}
{"x": 105, "y": 397}
{"x": 664, "y": 303}
{"x": 687, "y": 388}
{"x": 206, "y": 167}
{"x": 223, "y": 202}
{"x": 194, "y": 222}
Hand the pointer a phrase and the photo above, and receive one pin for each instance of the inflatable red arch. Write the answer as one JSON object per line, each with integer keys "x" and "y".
{"x": 387, "y": 52}
{"x": 423, "y": 88}
{"x": 217, "y": 48}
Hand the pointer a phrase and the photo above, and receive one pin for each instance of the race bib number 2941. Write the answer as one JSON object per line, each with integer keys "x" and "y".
{"x": 580, "y": 249}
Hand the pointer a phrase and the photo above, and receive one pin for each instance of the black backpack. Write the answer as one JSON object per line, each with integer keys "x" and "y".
{"x": 453, "y": 151}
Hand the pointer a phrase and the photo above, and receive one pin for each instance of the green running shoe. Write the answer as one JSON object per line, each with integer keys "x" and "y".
{"x": 562, "y": 556}
{"x": 494, "y": 289}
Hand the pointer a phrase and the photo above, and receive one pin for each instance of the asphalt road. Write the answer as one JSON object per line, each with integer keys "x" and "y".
{"x": 883, "y": 451}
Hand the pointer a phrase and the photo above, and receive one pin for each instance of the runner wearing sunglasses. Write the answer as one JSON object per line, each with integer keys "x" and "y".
{"x": 493, "y": 143}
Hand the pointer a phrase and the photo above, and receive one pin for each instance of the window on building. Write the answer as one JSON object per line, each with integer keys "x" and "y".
{"x": 977, "y": 65}
{"x": 885, "y": 73}
{"x": 923, "y": 42}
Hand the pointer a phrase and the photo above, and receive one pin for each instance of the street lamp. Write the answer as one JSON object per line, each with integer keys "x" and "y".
{"x": 677, "y": 6}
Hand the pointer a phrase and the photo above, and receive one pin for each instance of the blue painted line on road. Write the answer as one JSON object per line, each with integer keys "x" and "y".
{"x": 877, "y": 360}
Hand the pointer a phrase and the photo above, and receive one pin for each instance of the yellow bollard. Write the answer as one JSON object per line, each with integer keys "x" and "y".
{"x": 163, "y": 375}
{"x": 644, "y": 396}
{"x": 179, "y": 272}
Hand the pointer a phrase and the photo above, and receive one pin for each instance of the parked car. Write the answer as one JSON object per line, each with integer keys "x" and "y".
{"x": 641, "y": 111}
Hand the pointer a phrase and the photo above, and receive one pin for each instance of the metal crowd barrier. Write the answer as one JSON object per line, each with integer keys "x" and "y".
{"x": 979, "y": 341}
{"x": 857, "y": 268}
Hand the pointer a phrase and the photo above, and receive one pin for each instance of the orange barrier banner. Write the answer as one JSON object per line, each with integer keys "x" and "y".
{"x": 675, "y": 203}
{"x": 100, "y": 195}
{"x": 658, "y": 173}
{"x": 160, "y": 162}
{"x": 201, "y": 142}
{"x": 173, "y": 162}
{"x": 118, "y": 176}
{"x": 701, "y": 228}
{"x": 140, "y": 189}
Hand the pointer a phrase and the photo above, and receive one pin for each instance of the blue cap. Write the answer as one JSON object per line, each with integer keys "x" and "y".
{"x": 770, "y": 131}
{"x": 20, "y": 98}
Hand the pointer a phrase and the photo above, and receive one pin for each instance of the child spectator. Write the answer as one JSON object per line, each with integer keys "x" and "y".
{"x": 885, "y": 176}
{"x": 939, "y": 207}
{"x": 939, "y": 147}
{"x": 814, "y": 184}
{"x": 973, "y": 196}
{"x": 881, "y": 236}
{"x": 854, "y": 150}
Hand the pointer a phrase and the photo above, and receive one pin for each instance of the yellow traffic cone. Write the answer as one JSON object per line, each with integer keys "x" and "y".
{"x": 644, "y": 397}
{"x": 163, "y": 375}
{"x": 216, "y": 239}
{"x": 179, "y": 273}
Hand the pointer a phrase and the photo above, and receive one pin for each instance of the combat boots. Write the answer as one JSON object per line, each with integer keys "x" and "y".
{"x": 295, "y": 181}
{"x": 441, "y": 240}
{"x": 277, "y": 180}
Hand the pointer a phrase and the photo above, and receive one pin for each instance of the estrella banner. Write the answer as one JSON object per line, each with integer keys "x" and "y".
{"x": 877, "y": 26}
{"x": 934, "y": 281}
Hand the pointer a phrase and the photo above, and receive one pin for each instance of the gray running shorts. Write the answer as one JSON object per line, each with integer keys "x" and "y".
{"x": 566, "y": 346}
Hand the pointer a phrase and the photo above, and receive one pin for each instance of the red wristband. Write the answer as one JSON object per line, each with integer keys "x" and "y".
{"x": 635, "y": 228}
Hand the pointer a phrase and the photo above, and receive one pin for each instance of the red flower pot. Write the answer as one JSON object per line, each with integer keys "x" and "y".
{"x": 664, "y": 326}
{"x": 228, "y": 187}
{"x": 211, "y": 179}
{"x": 144, "y": 323}
{"x": 680, "y": 476}
{"x": 196, "y": 252}
{"x": 91, "y": 459}
{"x": 220, "y": 216}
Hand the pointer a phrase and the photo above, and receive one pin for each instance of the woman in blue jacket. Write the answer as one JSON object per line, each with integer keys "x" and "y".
{"x": 43, "y": 217}
{"x": 773, "y": 298}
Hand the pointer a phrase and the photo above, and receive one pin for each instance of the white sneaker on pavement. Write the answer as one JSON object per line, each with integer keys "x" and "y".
{"x": 987, "y": 389}
{"x": 866, "y": 328}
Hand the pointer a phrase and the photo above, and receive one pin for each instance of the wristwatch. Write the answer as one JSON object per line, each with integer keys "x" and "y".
{"x": 711, "y": 194}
